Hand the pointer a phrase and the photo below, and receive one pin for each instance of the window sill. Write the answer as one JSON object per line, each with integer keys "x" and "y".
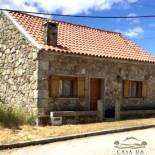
{"x": 133, "y": 98}
{"x": 66, "y": 97}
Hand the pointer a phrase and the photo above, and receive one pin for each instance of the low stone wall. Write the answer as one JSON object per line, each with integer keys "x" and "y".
{"x": 137, "y": 113}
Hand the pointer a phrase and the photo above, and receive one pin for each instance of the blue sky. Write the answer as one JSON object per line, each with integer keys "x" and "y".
{"x": 141, "y": 31}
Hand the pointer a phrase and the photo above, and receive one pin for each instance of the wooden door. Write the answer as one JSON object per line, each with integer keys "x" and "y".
{"x": 95, "y": 93}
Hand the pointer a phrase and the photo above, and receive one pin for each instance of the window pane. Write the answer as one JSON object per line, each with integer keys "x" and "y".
{"x": 133, "y": 89}
{"x": 136, "y": 89}
{"x": 139, "y": 89}
{"x": 67, "y": 88}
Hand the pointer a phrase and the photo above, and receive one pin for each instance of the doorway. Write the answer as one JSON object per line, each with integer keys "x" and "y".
{"x": 110, "y": 113}
{"x": 95, "y": 92}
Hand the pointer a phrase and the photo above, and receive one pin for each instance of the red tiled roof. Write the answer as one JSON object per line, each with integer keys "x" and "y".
{"x": 84, "y": 40}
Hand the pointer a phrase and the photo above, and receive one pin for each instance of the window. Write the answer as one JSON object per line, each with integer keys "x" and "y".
{"x": 134, "y": 89}
{"x": 66, "y": 86}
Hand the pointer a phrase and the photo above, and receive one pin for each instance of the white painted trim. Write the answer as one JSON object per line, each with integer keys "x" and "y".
{"x": 22, "y": 30}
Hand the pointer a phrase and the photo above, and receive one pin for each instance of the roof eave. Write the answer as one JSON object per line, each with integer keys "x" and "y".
{"x": 114, "y": 58}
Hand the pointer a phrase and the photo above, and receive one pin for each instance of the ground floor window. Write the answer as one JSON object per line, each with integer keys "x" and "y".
{"x": 134, "y": 89}
{"x": 68, "y": 87}
{"x": 63, "y": 86}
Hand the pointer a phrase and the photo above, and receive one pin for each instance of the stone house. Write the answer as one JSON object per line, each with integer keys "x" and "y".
{"x": 48, "y": 65}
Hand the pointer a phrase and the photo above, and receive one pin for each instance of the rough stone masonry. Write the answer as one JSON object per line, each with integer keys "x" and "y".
{"x": 18, "y": 67}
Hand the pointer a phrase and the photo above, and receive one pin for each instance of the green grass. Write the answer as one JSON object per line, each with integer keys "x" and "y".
{"x": 11, "y": 117}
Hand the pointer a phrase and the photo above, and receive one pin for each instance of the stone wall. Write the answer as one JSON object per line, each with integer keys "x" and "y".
{"x": 18, "y": 67}
{"x": 109, "y": 70}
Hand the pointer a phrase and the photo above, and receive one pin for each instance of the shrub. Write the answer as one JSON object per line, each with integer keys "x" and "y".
{"x": 10, "y": 117}
{"x": 31, "y": 119}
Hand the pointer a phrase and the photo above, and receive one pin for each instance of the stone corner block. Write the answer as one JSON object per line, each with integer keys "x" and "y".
{"x": 41, "y": 94}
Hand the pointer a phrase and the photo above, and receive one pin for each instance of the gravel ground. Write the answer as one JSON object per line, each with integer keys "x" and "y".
{"x": 8, "y": 136}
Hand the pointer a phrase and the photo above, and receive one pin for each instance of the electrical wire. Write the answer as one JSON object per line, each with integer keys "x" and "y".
{"x": 82, "y": 16}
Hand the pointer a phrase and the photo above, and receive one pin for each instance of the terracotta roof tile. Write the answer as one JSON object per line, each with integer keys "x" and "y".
{"x": 84, "y": 40}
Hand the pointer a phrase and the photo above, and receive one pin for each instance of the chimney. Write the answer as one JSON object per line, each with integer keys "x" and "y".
{"x": 51, "y": 33}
